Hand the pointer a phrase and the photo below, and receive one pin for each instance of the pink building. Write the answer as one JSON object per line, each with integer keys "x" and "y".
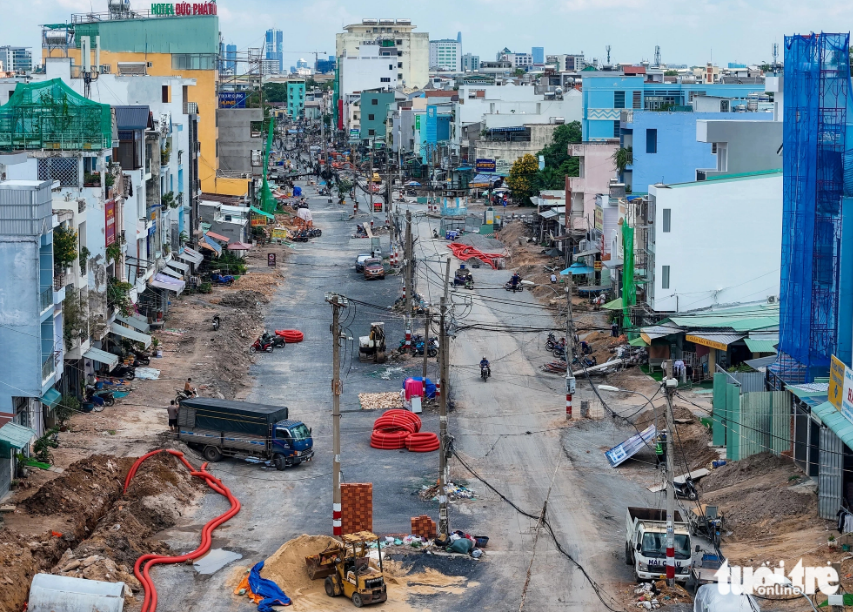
{"x": 596, "y": 170}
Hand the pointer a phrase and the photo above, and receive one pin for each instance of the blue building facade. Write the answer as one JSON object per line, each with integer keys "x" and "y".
{"x": 295, "y": 98}
{"x": 605, "y": 96}
{"x": 325, "y": 66}
{"x": 275, "y": 47}
{"x": 231, "y": 58}
{"x": 538, "y": 54}
{"x": 664, "y": 146}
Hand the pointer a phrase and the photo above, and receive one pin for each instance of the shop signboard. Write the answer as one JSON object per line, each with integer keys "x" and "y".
{"x": 485, "y": 166}
{"x": 847, "y": 398}
{"x": 271, "y": 260}
{"x": 232, "y": 99}
{"x": 110, "y": 222}
{"x": 836, "y": 382}
{"x": 598, "y": 219}
{"x": 182, "y": 9}
{"x": 279, "y": 233}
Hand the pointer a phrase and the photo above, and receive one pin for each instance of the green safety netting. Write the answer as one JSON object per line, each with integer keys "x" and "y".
{"x": 629, "y": 291}
{"x": 268, "y": 203}
{"x": 51, "y": 115}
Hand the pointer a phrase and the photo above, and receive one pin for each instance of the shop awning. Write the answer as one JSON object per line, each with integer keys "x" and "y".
{"x": 576, "y": 269}
{"x": 614, "y": 305}
{"x": 757, "y": 345}
{"x": 585, "y": 253}
{"x": 172, "y": 272}
{"x": 211, "y": 244}
{"x": 830, "y": 417}
{"x": 761, "y": 363}
{"x": 239, "y": 246}
{"x": 137, "y": 323}
{"x": 658, "y": 331}
{"x": 178, "y": 265}
{"x": 258, "y": 211}
{"x": 14, "y": 436}
{"x": 611, "y": 263}
{"x": 553, "y": 212}
{"x": 51, "y": 398}
{"x": 191, "y": 256}
{"x": 162, "y": 281}
{"x": 638, "y": 342}
{"x": 130, "y": 334}
{"x": 108, "y": 359}
{"x": 717, "y": 340}
{"x": 216, "y": 236}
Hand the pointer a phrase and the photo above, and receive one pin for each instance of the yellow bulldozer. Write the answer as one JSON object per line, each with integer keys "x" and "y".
{"x": 347, "y": 571}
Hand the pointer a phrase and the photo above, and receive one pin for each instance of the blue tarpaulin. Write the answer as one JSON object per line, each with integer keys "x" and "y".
{"x": 213, "y": 244}
{"x": 297, "y": 190}
{"x": 577, "y": 269}
{"x": 429, "y": 385}
{"x": 269, "y": 590}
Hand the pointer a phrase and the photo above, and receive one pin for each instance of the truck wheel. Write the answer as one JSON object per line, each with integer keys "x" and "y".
{"x": 279, "y": 462}
{"x": 331, "y": 589}
{"x": 212, "y": 454}
{"x": 356, "y": 600}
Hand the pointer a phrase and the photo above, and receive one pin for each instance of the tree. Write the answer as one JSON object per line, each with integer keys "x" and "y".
{"x": 623, "y": 157}
{"x": 518, "y": 72}
{"x": 671, "y": 73}
{"x": 522, "y": 178}
{"x": 558, "y": 164}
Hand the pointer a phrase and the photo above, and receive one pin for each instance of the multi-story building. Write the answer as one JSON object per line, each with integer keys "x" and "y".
{"x": 16, "y": 59}
{"x": 567, "y": 63}
{"x": 274, "y": 48}
{"x": 157, "y": 44}
{"x": 518, "y": 60}
{"x": 470, "y": 63}
{"x": 295, "y": 97}
{"x": 412, "y": 47}
{"x": 374, "y": 65}
{"x": 538, "y": 55}
{"x": 374, "y": 110}
{"x": 445, "y": 54}
{"x": 230, "y": 63}
{"x": 325, "y": 66}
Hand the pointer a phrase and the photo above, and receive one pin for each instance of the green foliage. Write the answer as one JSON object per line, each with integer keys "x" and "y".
{"x": 118, "y": 296}
{"x": 344, "y": 186}
{"x": 165, "y": 154}
{"x": 167, "y": 200}
{"x": 229, "y": 263}
{"x": 94, "y": 178}
{"x": 275, "y": 92}
{"x": 518, "y": 72}
{"x": 671, "y": 73}
{"x": 42, "y": 446}
{"x": 623, "y": 157}
{"x": 68, "y": 405}
{"x": 522, "y": 178}
{"x": 114, "y": 251}
{"x": 64, "y": 247}
{"x": 74, "y": 324}
{"x": 183, "y": 238}
{"x": 83, "y": 257}
{"x": 558, "y": 164}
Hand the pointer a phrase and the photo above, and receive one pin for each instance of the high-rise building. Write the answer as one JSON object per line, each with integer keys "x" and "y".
{"x": 470, "y": 63}
{"x": 445, "y": 54}
{"x": 538, "y": 54}
{"x": 325, "y": 66}
{"x": 16, "y": 59}
{"x": 274, "y": 47}
{"x": 412, "y": 68}
{"x": 231, "y": 58}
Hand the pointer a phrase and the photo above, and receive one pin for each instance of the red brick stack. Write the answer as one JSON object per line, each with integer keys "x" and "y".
{"x": 423, "y": 526}
{"x": 356, "y": 507}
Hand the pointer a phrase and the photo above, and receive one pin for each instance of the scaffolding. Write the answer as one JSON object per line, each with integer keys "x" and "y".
{"x": 50, "y": 115}
{"x": 815, "y": 157}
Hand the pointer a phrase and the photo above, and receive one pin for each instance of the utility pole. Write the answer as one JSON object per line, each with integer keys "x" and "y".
{"x": 426, "y": 341}
{"x": 370, "y": 179}
{"x": 670, "y": 384}
{"x": 337, "y": 303}
{"x": 410, "y": 269}
{"x": 443, "y": 518}
{"x": 570, "y": 348}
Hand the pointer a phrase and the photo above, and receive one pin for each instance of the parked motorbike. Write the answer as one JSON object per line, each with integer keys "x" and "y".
{"x": 220, "y": 279}
{"x": 100, "y": 398}
{"x": 686, "y": 489}
{"x": 182, "y": 394}
{"x": 509, "y": 287}
{"x": 261, "y": 346}
{"x": 124, "y": 371}
{"x": 315, "y": 232}
{"x": 276, "y": 340}
{"x": 432, "y": 350}
{"x": 551, "y": 343}
{"x": 485, "y": 373}
{"x": 216, "y": 322}
{"x": 588, "y": 362}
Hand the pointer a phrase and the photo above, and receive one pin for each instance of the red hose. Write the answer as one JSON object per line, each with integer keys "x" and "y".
{"x": 290, "y": 335}
{"x": 146, "y": 562}
{"x": 425, "y": 442}
{"x": 397, "y": 415}
{"x": 389, "y": 440}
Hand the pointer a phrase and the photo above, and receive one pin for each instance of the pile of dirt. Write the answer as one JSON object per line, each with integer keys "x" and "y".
{"x": 758, "y": 497}
{"x": 287, "y": 568}
{"x": 246, "y": 299}
{"x": 266, "y": 284}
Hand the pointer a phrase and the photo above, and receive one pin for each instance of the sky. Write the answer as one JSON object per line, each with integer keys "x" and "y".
{"x": 689, "y": 32}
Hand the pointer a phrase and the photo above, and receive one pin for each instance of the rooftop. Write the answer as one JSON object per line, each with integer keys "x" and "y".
{"x": 728, "y": 178}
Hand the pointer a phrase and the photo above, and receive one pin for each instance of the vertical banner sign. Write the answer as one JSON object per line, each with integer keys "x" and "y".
{"x": 110, "y": 225}
{"x": 847, "y": 399}
{"x": 836, "y": 382}
{"x": 432, "y": 124}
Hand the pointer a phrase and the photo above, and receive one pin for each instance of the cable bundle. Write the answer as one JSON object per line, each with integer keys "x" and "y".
{"x": 397, "y": 429}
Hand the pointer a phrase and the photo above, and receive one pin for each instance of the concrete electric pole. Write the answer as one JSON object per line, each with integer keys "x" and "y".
{"x": 410, "y": 268}
{"x": 338, "y": 302}
{"x": 670, "y": 384}
{"x": 427, "y": 322}
{"x": 444, "y": 356}
{"x": 570, "y": 348}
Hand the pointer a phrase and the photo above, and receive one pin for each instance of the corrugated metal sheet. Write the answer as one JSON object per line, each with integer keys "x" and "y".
{"x": 132, "y": 117}
{"x": 721, "y": 337}
{"x": 830, "y": 474}
{"x": 780, "y": 425}
{"x": 750, "y": 382}
{"x": 25, "y": 208}
{"x": 733, "y": 422}
{"x": 755, "y": 414}
{"x": 761, "y": 346}
{"x": 718, "y": 429}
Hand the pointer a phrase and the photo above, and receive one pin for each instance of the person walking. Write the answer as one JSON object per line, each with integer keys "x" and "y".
{"x": 172, "y": 410}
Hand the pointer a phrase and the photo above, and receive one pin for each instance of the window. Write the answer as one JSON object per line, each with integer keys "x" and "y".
{"x": 618, "y": 99}
{"x": 165, "y": 95}
{"x": 617, "y": 129}
{"x": 667, "y": 220}
{"x": 62, "y": 169}
{"x": 400, "y": 76}
{"x": 722, "y": 157}
{"x": 371, "y": 117}
{"x": 374, "y": 102}
{"x": 399, "y": 64}
{"x": 399, "y": 42}
{"x": 651, "y": 141}
{"x": 390, "y": 66}
{"x": 385, "y": 79}
{"x": 638, "y": 99}
{"x": 664, "y": 277}
{"x": 193, "y": 61}
{"x": 371, "y": 132}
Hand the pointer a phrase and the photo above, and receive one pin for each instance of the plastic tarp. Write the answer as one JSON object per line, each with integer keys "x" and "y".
{"x": 51, "y": 398}
{"x": 212, "y": 244}
{"x": 269, "y": 591}
{"x": 258, "y": 211}
{"x": 108, "y": 359}
{"x": 239, "y": 417}
{"x": 267, "y": 200}
{"x": 430, "y": 386}
{"x": 130, "y": 334}
{"x": 239, "y": 246}
{"x": 297, "y": 190}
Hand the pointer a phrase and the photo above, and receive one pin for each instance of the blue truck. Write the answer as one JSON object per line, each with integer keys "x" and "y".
{"x": 259, "y": 432}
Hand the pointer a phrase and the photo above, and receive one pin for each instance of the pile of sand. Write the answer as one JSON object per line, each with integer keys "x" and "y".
{"x": 287, "y": 568}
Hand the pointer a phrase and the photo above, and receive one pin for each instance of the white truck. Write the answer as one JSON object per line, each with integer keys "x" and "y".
{"x": 645, "y": 544}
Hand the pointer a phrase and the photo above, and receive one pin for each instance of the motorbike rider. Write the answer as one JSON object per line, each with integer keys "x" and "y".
{"x": 484, "y": 365}
{"x": 515, "y": 280}
{"x": 189, "y": 388}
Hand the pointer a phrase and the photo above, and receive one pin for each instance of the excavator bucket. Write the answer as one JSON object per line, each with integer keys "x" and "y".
{"x": 323, "y": 564}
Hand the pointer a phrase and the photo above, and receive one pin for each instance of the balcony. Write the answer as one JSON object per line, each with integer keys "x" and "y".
{"x": 48, "y": 367}
{"x": 190, "y": 108}
{"x": 46, "y": 300}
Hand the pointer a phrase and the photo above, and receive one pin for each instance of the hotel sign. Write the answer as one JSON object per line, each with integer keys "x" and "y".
{"x": 182, "y": 9}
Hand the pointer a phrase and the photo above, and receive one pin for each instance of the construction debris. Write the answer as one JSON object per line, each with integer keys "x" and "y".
{"x": 380, "y": 401}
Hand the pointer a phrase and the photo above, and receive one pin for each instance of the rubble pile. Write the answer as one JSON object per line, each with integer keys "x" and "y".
{"x": 380, "y": 401}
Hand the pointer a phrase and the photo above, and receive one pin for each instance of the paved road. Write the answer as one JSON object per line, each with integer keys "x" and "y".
{"x": 510, "y": 429}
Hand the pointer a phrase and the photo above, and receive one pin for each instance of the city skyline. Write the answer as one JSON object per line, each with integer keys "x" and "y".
{"x": 691, "y": 33}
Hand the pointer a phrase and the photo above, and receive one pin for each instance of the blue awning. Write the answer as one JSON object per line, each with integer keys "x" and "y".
{"x": 518, "y": 128}
{"x": 213, "y": 244}
{"x": 575, "y": 269}
{"x": 836, "y": 421}
{"x": 51, "y": 398}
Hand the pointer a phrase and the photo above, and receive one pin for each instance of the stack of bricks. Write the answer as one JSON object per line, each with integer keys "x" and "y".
{"x": 423, "y": 526}
{"x": 356, "y": 507}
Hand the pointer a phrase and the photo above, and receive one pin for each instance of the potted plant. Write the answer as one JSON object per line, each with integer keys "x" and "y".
{"x": 832, "y": 542}
{"x": 67, "y": 406}
{"x": 156, "y": 344}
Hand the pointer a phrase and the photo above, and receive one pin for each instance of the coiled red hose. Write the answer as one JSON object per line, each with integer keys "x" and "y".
{"x": 424, "y": 442}
{"x": 291, "y": 336}
{"x": 144, "y": 564}
{"x": 398, "y": 429}
{"x": 389, "y": 440}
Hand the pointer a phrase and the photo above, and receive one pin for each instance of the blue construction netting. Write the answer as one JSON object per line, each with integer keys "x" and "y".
{"x": 817, "y": 175}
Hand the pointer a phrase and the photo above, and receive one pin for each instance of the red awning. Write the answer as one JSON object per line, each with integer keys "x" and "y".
{"x": 217, "y": 237}
{"x": 239, "y": 246}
